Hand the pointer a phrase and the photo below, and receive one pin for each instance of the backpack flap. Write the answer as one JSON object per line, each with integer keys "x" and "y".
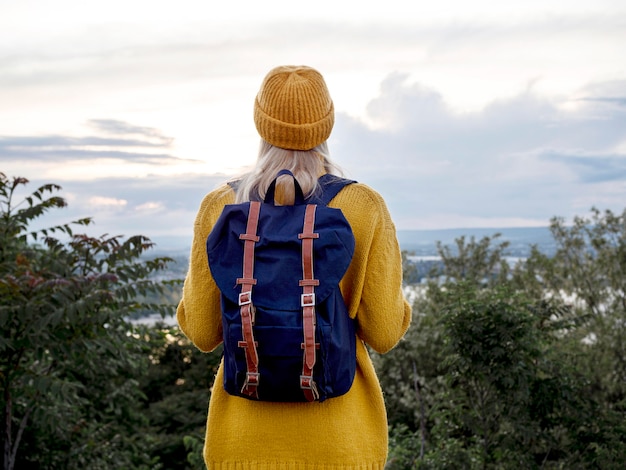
{"x": 278, "y": 255}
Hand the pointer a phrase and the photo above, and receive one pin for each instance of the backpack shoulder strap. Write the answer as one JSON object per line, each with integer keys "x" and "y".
{"x": 234, "y": 184}
{"x": 331, "y": 185}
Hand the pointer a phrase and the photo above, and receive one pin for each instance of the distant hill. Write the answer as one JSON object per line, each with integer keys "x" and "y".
{"x": 172, "y": 245}
{"x": 420, "y": 242}
{"x": 421, "y": 245}
{"x": 424, "y": 242}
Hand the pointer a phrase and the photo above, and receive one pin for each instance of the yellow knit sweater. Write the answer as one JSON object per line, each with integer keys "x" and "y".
{"x": 343, "y": 433}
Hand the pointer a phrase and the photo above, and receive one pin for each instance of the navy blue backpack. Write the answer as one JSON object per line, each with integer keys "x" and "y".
{"x": 287, "y": 333}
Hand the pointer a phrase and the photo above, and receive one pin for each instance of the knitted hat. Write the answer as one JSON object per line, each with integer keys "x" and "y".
{"x": 293, "y": 109}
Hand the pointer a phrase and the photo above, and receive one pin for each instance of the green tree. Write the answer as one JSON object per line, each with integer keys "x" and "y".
{"x": 176, "y": 388}
{"x": 413, "y": 375}
{"x": 69, "y": 358}
{"x": 498, "y": 361}
{"x": 590, "y": 270}
{"x": 479, "y": 262}
{"x": 508, "y": 367}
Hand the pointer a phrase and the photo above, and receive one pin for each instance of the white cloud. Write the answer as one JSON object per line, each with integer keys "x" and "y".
{"x": 515, "y": 162}
{"x": 150, "y": 207}
{"x": 106, "y": 202}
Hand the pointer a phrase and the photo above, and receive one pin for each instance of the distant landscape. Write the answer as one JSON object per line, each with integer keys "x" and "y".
{"x": 420, "y": 243}
{"x": 421, "y": 246}
{"x": 424, "y": 242}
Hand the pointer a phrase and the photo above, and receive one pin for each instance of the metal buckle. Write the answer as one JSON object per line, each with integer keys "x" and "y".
{"x": 250, "y": 387}
{"x": 252, "y": 379}
{"x": 307, "y": 383}
{"x": 307, "y": 300}
{"x": 243, "y": 300}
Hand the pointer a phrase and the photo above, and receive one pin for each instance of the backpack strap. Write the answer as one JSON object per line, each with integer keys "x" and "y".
{"x": 246, "y": 306}
{"x": 269, "y": 195}
{"x": 331, "y": 185}
{"x": 234, "y": 184}
{"x": 308, "y": 283}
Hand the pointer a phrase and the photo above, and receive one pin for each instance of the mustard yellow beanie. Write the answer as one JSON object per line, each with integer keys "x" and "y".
{"x": 293, "y": 109}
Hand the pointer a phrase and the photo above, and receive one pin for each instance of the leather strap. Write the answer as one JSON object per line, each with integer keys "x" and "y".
{"x": 246, "y": 307}
{"x": 308, "y": 283}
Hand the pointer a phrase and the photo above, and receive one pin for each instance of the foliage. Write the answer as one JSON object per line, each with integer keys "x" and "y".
{"x": 176, "y": 388}
{"x": 68, "y": 358}
{"x": 590, "y": 269}
{"x": 515, "y": 366}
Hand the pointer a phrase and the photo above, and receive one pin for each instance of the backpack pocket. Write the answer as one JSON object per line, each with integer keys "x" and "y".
{"x": 280, "y": 348}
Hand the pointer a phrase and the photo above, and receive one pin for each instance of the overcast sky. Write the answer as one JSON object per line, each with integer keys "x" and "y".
{"x": 461, "y": 114}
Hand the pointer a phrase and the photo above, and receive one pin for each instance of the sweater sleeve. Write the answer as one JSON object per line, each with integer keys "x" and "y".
{"x": 372, "y": 286}
{"x": 199, "y": 313}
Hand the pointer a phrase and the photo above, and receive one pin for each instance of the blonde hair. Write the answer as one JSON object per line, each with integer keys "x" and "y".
{"x": 306, "y": 165}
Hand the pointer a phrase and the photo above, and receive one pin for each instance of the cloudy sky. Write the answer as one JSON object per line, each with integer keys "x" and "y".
{"x": 461, "y": 114}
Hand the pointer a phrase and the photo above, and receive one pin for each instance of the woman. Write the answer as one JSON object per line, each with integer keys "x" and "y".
{"x": 294, "y": 116}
